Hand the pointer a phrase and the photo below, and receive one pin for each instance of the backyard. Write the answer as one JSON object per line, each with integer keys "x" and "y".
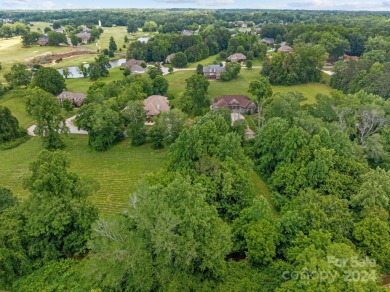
{"x": 117, "y": 170}
{"x": 240, "y": 85}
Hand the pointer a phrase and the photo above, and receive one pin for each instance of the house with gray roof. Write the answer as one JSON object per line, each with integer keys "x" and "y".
{"x": 237, "y": 57}
{"x": 268, "y": 41}
{"x": 213, "y": 71}
{"x": 168, "y": 59}
{"x": 85, "y": 36}
{"x": 137, "y": 69}
{"x": 154, "y": 105}
{"x": 131, "y": 62}
{"x": 285, "y": 48}
{"x": 43, "y": 40}
{"x": 76, "y": 98}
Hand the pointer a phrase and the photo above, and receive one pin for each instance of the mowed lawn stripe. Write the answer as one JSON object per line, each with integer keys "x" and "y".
{"x": 117, "y": 170}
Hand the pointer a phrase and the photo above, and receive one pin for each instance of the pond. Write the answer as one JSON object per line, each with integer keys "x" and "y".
{"x": 76, "y": 74}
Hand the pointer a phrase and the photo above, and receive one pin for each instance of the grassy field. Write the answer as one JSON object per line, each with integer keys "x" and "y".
{"x": 241, "y": 83}
{"x": 75, "y": 61}
{"x": 204, "y": 62}
{"x": 15, "y": 101}
{"x": 118, "y": 33}
{"x": 40, "y": 26}
{"x": 11, "y": 52}
{"x": 309, "y": 90}
{"x": 82, "y": 84}
{"x": 117, "y": 170}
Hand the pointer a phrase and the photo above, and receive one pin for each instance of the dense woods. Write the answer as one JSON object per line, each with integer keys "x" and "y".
{"x": 201, "y": 222}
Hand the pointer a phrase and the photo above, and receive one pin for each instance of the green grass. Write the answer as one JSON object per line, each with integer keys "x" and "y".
{"x": 325, "y": 77}
{"x": 257, "y": 62}
{"x": 11, "y": 52}
{"x": 117, "y": 170}
{"x": 177, "y": 81}
{"x": 309, "y": 90}
{"x": 260, "y": 188}
{"x": 75, "y": 61}
{"x": 41, "y": 25}
{"x": 251, "y": 122}
{"x": 240, "y": 85}
{"x": 82, "y": 84}
{"x": 15, "y": 101}
{"x": 204, "y": 62}
{"x": 118, "y": 33}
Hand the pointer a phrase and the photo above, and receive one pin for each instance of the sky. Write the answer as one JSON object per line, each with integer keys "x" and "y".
{"x": 380, "y": 5}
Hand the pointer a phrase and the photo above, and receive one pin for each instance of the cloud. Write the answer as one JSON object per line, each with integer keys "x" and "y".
{"x": 15, "y": 2}
{"x": 200, "y": 2}
{"x": 29, "y": 4}
{"x": 339, "y": 5}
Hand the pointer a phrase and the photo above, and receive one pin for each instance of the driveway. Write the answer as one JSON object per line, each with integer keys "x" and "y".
{"x": 69, "y": 123}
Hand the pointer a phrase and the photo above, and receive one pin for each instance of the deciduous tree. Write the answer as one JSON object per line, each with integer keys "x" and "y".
{"x": 50, "y": 80}
{"x": 18, "y": 75}
{"x": 196, "y": 89}
{"x": 261, "y": 89}
{"x": 46, "y": 111}
{"x": 57, "y": 216}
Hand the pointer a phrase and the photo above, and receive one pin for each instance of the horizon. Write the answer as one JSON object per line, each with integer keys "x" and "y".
{"x": 307, "y": 5}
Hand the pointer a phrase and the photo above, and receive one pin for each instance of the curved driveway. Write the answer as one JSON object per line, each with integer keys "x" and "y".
{"x": 69, "y": 122}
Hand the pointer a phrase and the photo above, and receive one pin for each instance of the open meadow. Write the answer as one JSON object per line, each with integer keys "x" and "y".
{"x": 118, "y": 33}
{"x": 117, "y": 170}
{"x": 240, "y": 85}
{"x": 12, "y": 52}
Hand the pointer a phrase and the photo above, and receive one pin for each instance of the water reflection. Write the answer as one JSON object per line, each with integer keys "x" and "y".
{"x": 74, "y": 71}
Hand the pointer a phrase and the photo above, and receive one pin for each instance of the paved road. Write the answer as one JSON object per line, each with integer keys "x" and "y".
{"x": 69, "y": 122}
{"x": 328, "y": 72}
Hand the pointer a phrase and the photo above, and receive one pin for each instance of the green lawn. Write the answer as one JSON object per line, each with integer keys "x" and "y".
{"x": 177, "y": 81}
{"x": 260, "y": 188}
{"x": 240, "y": 85}
{"x": 326, "y": 78}
{"x": 82, "y": 84}
{"x": 15, "y": 101}
{"x": 40, "y": 26}
{"x": 204, "y": 62}
{"x": 118, "y": 33}
{"x": 251, "y": 122}
{"x": 309, "y": 90}
{"x": 75, "y": 61}
{"x": 117, "y": 170}
{"x": 11, "y": 52}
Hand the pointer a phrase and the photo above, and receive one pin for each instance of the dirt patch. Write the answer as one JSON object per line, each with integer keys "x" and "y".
{"x": 386, "y": 281}
{"x": 50, "y": 58}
